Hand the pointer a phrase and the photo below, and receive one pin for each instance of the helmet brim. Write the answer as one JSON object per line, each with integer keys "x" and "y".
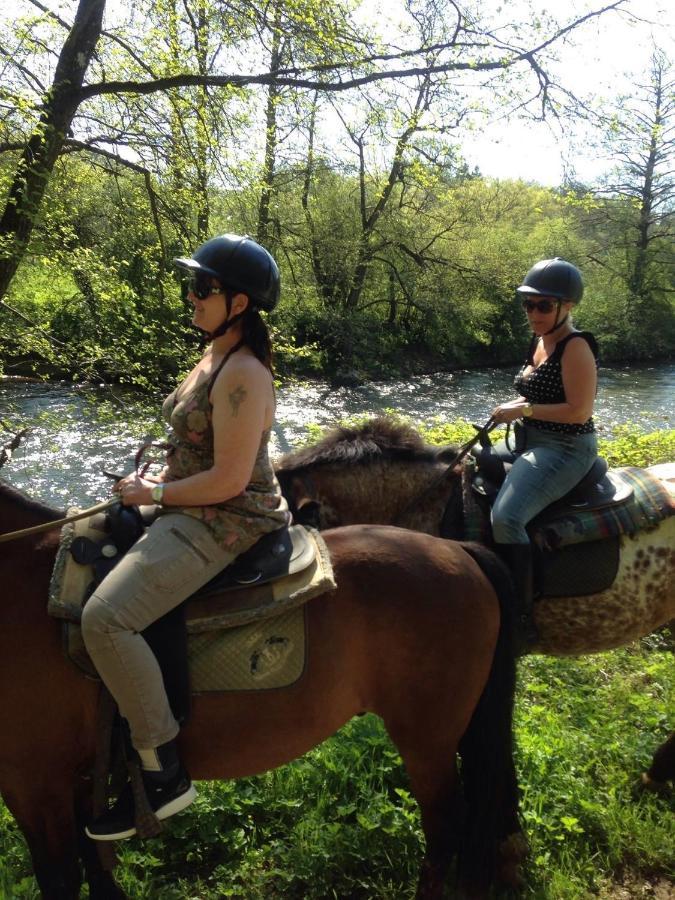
{"x": 194, "y": 267}
{"x": 526, "y": 289}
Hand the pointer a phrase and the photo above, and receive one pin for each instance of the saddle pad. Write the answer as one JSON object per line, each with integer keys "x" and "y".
{"x": 260, "y": 656}
{"x": 650, "y": 503}
{"x": 577, "y": 570}
{"x": 216, "y": 610}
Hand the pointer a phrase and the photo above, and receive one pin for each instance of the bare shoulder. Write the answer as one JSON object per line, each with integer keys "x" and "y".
{"x": 246, "y": 365}
{"x": 578, "y": 350}
{"x": 244, "y": 379}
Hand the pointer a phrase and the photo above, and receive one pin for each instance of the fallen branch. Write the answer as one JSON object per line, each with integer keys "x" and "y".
{"x": 8, "y": 449}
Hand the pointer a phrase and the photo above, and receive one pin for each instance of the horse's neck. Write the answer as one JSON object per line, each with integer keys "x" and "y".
{"x": 382, "y": 491}
{"x": 18, "y": 511}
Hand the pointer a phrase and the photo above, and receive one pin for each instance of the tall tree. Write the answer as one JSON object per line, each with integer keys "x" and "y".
{"x": 636, "y": 209}
{"x": 67, "y": 103}
{"x": 60, "y": 104}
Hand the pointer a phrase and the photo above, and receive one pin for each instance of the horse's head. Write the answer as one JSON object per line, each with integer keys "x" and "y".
{"x": 369, "y": 473}
{"x": 304, "y": 502}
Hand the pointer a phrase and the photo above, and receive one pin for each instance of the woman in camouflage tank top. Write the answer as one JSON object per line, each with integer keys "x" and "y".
{"x": 217, "y": 496}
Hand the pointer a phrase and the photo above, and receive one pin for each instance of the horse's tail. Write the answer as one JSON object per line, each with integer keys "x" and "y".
{"x": 486, "y": 749}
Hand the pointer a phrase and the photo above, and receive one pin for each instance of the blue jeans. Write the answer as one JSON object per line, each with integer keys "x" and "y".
{"x": 549, "y": 467}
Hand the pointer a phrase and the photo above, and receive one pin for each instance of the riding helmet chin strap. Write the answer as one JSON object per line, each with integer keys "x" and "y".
{"x": 223, "y": 327}
{"x": 557, "y": 323}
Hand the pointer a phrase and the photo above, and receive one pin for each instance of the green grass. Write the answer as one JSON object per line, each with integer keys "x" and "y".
{"x": 340, "y": 822}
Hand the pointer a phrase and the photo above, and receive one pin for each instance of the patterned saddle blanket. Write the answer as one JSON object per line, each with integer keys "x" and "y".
{"x": 240, "y": 638}
{"x": 577, "y": 546}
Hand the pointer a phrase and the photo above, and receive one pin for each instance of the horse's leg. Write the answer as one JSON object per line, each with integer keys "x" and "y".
{"x": 98, "y": 876}
{"x": 662, "y": 769}
{"x": 430, "y": 761}
{"x": 45, "y": 813}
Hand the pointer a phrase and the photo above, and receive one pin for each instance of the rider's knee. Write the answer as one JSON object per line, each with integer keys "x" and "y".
{"x": 98, "y": 618}
{"x": 508, "y": 529}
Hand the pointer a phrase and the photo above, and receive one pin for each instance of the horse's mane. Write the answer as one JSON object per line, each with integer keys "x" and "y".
{"x": 18, "y": 498}
{"x": 380, "y": 438}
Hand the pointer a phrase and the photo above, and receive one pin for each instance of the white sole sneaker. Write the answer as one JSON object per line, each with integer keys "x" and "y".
{"x": 172, "y": 808}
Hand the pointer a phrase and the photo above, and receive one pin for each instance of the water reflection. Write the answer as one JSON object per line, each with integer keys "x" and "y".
{"x": 77, "y": 432}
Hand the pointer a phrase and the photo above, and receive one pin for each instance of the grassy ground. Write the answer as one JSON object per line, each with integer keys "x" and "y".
{"x": 340, "y": 822}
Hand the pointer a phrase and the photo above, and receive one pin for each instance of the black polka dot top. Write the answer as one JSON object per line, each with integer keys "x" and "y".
{"x": 545, "y": 385}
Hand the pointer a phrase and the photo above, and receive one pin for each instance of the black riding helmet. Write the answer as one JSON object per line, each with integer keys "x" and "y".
{"x": 554, "y": 278}
{"x": 240, "y": 264}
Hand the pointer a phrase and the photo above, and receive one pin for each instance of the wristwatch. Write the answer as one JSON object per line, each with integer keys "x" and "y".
{"x": 157, "y": 494}
{"x": 527, "y": 410}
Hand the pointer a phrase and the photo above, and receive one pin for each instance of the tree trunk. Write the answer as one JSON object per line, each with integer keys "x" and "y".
{"x": 263, "y": 234}
{"x": 202, "y": 148}
{"x": 324, "y": 285}
{"x": 639, "y": 270}
{"x": 31, "y": 178}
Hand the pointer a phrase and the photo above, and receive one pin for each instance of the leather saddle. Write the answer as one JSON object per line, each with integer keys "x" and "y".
{"x": 598, "y": 488}
{"x": 275, "y": 555}
{"x": 288, "y": 551}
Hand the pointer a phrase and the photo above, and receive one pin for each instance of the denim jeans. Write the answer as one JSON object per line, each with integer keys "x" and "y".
{"x": 175, "y": 557}
{"x": 551, "y": 464}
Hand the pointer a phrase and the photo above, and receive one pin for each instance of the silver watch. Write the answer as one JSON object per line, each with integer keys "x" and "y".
{"x": 157, "y": 494}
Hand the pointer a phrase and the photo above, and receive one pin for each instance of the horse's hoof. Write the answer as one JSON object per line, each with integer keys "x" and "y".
{"x": 645, "y": 784}
{"x": 106, "y": 888}
{"x": 511, "y": 855}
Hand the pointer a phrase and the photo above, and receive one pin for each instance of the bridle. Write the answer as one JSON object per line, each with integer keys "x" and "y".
{"x": 430, "y": 489}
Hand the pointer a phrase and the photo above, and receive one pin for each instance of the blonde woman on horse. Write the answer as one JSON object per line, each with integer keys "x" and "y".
{"x": 217, "y": 495}
{"x": 556, "y": 442}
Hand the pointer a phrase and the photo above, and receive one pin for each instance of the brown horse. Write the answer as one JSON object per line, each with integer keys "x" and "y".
{"x": 413, "y": 633}
{"x": 381, "y": 472}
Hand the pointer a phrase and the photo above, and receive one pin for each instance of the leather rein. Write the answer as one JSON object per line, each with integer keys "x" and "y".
{"x": 47, "y": 526}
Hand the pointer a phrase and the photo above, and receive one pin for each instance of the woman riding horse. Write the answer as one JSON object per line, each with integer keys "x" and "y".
{"x": 217, "y": 496}
{"x": 556, "y": 442}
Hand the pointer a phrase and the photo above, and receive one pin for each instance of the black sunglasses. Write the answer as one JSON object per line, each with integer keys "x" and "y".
{"x": 542, "y": 306}
{"x": 202, "y": 288}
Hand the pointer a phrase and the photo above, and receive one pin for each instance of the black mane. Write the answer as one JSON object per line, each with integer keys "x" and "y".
{"x": 381, "y": 438}
{"x": 17, "y": 497}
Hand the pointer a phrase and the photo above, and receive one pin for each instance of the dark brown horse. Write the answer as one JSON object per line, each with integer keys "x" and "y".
{"x": 412, "y": 633}
{"x": 381, "y": 472}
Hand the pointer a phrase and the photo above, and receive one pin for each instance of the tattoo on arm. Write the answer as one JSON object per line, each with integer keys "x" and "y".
{"x": 236, "y": 398}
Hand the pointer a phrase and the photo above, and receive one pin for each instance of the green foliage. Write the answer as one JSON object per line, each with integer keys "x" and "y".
{"x": 630, "y": 447}
{"x": 340, "y": 821}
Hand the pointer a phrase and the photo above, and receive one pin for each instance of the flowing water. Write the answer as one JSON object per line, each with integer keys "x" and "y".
{"x": 76, "y": 432}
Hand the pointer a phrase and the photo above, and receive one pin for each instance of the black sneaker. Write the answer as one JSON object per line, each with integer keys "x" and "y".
{"x": 165, "y": 799}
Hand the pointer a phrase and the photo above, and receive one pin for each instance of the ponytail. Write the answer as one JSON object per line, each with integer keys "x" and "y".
{"x": 255, "y": 334}
{"x": 257, "y": 337}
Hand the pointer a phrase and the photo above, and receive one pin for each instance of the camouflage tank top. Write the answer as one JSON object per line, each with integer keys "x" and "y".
{"x": 239, "y": 522}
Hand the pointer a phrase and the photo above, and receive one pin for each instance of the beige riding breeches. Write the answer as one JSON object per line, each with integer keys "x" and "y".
{"x": 175, "y": 557}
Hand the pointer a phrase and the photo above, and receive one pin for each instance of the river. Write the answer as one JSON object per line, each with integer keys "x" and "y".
{"x": 77, "y": 431}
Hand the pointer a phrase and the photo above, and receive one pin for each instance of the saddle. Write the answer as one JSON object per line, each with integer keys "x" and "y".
{"x": 576, "y": 540}
{"x": 244, "y": 629}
